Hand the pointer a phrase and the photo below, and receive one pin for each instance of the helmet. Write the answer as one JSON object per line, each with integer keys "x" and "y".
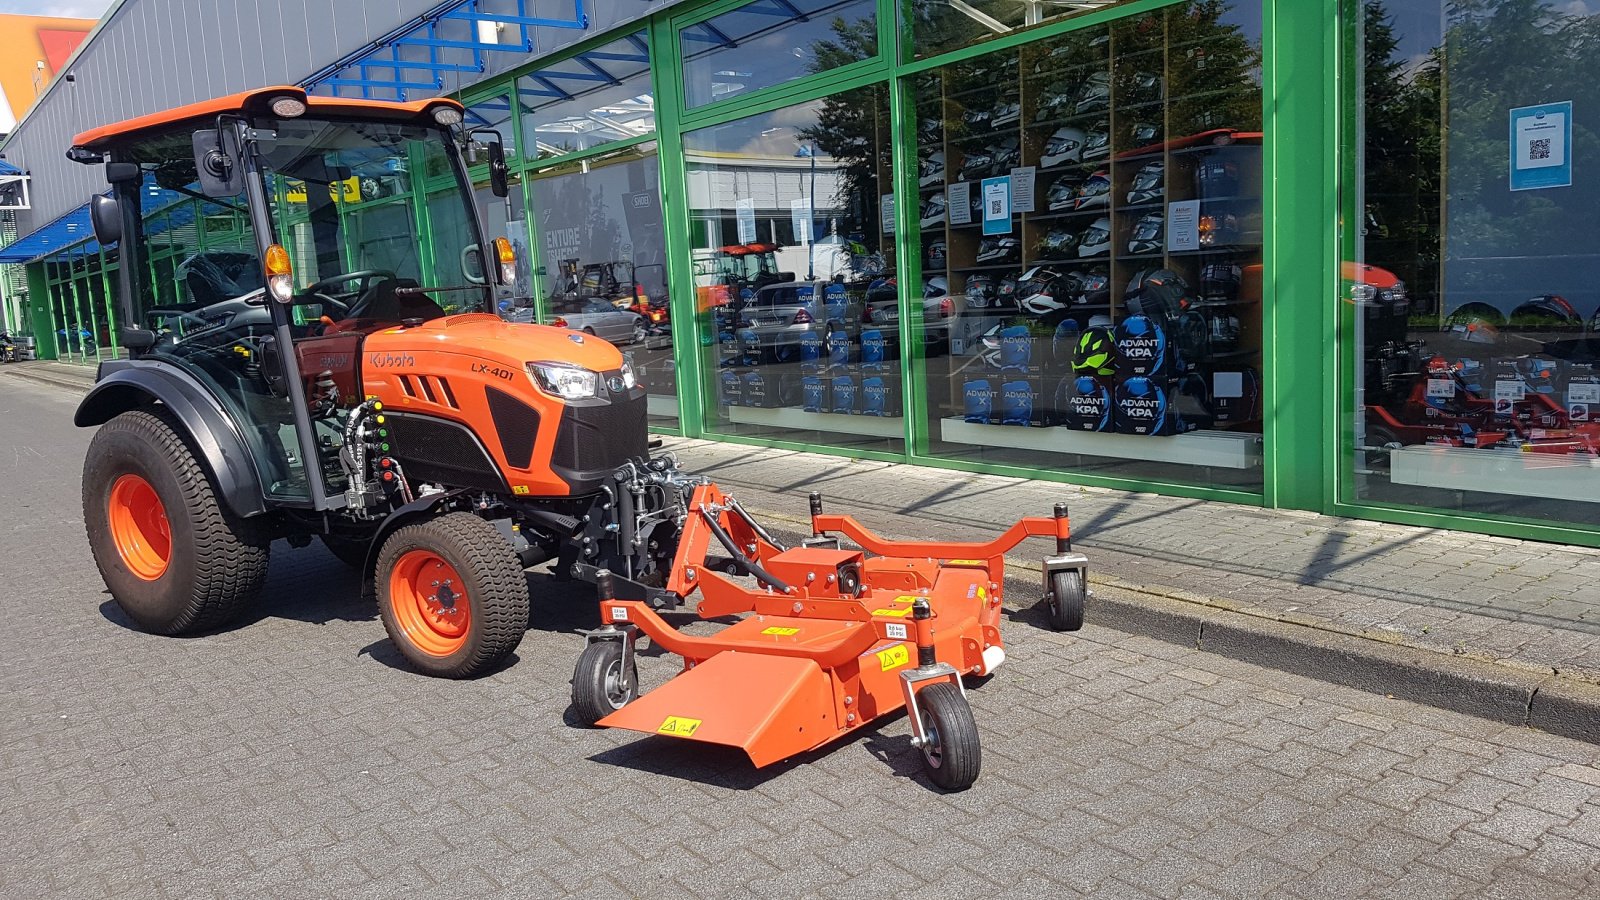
{"x": 1220, "y": 282}
{"x": 933, "y": 210}
{"x": 1064, "y": 146}
{"x": 1098, "y": 142}
{"x": 937, "y": 251}
{"x": 1149, "y": 184}
{"x": 928, "y": 130}
{"x": 931, "y": 169}
{"x": 978, "y": 120}
{"x": 938, "y": 286}
{"x": 1144, "y": 87}
{"x": 1043, "y": 290}
{"x": 1097, "y": 350}
{"x": 980, "y": 292}
{"x": 1063, "y": 194}
{"x": 1147, "y": 234}
{"x": 1065, "y": 340}
{"x": 1006, "y": 155}
{"x": 1094, "y": 93}
{"x": 1094, "y": 192}
{"x": 882, "y": 289}
{"x": 1096, "y": 239}
{"x": 1094, "y": 287}
{"x": 1054, "y": 106}
{"x": 1145, "y": 133}
{"x": 1057, "y": 243}
{"x": 1218, "y": 230}
{"x": 1548, "y": 313}
{"x": 1217, "y": 178}
{"x": 1005, "y": 293}
{"x": 1222, "y": 330}
{"x": 976, "y": 164}
{"x": 1474, "y": 323}
{"x": 1006, "y": 114}
{"x": 998, "y": 249}
{"x": 1160, "y": 294}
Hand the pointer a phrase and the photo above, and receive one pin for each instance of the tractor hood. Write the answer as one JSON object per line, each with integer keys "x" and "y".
{"x": 488, "y": 337}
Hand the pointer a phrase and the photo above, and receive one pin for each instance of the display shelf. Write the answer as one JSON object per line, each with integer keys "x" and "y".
{"x": 1042, "y": 171}
{"x": 989, "y": 267}
{"x": 1141, "y": 207}
{"x": 1084, "y": 119}
{"x": 1218, "y": 250}
{"x": 1138, "y": 156}
{"x": 1218, "y": 449}
{"x": 1551, "y": 476}
{"x": 1138, "y": 257}
{"x": 799, "y": 419}
{"x": 1067, "y": 214}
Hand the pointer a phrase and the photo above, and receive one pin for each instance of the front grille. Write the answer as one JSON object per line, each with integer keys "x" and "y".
{"x": 516, "y": 423}
{"x": 593, "y": 440}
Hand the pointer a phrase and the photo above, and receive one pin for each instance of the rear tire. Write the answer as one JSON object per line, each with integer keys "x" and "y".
{"x": 176, "y": 561}
{"x": 1065, "y": 603}
{"x": 452, "y": 595}
{"x": 953, "y": 755}
{"x": 599, "y": 685}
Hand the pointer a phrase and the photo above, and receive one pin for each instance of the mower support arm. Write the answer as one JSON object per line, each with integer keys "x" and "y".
{"x": 1033, "y": 526}
{"x": 830, "y": 655}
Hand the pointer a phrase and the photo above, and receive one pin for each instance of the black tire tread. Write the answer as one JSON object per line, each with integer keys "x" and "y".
{"x": 230, "y": 554}
{"x": 498, "y": 584}
{"x": 962, "y": 752}
{"x": 589, "y": 681}
{"x": 1065, "y": 606}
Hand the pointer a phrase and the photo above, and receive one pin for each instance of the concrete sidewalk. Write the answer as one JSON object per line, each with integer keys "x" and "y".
{"x": 1496, "y": 627}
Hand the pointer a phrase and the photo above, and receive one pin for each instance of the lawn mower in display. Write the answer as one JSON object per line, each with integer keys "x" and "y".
{"x": 358, "y": 392}
{"x": 831, "y": 639}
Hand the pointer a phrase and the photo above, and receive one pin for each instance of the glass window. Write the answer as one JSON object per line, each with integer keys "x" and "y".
{"x": 494, "y": 114}
{"x": 1090, "y": 225}
{"x": 594, "y": 98}
{"x": 768, "y": 42}
{"x": 938, "y": 26}
{"x": 793, "y": 260}
{"x": 1473, "y": 279}
{"x": 602, "y": 259}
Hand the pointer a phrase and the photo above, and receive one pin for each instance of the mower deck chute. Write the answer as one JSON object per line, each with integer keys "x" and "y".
{"x": 831, "y": 638}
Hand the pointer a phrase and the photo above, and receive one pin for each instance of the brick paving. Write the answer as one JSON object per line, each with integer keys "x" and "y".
{"x": 291, "y": 756}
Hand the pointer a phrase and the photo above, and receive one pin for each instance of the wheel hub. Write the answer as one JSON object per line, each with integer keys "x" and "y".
{"x": 427, "y": 601}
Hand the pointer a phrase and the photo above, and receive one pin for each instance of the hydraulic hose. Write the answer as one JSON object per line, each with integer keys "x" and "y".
{"x": 740, "y": 560}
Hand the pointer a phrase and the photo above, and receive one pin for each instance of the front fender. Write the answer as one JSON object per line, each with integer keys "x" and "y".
{"x": 209, "y": 430}
{"x": 420, "y": 508}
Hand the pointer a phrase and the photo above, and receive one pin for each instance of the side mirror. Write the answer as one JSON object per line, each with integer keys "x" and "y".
{"x": 499, "y": 183}
{"x": 216, "y": 160}
{"x": 106, "y": 216}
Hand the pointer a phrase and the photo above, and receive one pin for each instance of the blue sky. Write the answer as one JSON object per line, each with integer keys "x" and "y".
{"x": 78, "y": 9}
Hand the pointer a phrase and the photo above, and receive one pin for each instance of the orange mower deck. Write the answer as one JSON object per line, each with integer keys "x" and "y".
{"x": 831, "y": 639}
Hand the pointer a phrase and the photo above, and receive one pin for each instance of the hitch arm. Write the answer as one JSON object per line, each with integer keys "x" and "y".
{"x": 1032, "y": 526}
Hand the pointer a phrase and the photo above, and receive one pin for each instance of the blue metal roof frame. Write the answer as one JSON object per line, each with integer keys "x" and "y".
{"x": 75, "y": 226}
{"x": 8, "y": 169}
{"x": 416, "y": 56}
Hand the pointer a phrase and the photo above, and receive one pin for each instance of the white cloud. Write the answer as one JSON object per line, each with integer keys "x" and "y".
{"x": 71, "y": 9}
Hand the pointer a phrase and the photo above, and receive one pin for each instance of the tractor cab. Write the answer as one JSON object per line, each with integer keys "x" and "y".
{"x": 324, "y": 222}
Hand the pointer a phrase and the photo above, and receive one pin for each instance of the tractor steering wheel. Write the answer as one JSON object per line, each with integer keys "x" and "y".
{"x": 365, "y": 276}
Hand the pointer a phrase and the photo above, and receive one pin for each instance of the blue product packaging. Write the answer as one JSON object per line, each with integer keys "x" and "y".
{"x": 978, "y": 399}
{"x": 874, "y": 349}
{"x": 835, "y": 301}
{"x": 751, "y": 343}
{"x": 1142, "y": 407}
{"x": 814, "y": 393}
{"x": 839, "y": 348}
{"x": 732, "y": 389}
{"x": 756, "y": 393}
{"x": 811, "y": 351}
{"x": 1142, "y": 347}
{"x": 1065, "y": 342}
{"x": 845, "y": 395}
{"x": 1016, "y": 403}
{"x": 879, "y": 397}
{"x": 1084, "y": 403}
{"x": 1016, "y": 348}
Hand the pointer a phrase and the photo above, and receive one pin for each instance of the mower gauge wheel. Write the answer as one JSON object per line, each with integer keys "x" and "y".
{"x": 600, "y": 687}
{"x": 951, "y": 753}
{"x": 1065, "y": 600}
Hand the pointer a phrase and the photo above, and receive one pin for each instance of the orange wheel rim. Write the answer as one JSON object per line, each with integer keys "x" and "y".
{"x": 139, "y": 527}
{"x": 430, "y": 602}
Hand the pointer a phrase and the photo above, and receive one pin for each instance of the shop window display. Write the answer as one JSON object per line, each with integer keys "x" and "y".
{"x": 793, "y": 260}
{"x": 1091, "y": 206}
{"x": 602, "y": 262}
{"x": 1472, "y": 276}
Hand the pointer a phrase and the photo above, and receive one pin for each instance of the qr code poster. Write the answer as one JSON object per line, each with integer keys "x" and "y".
{"x": 1541, "y": 141}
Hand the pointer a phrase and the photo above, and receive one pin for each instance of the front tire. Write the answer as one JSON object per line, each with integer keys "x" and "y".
{"x": 952, "y": 755}
{"x": 452, "y": 595}
{"x": 1065, "y": 603}
{"x": 176, "y": 561}
{"x": 600, "y": 687}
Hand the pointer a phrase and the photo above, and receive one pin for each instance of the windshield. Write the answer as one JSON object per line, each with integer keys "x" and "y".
{"x": 373, "y": 200}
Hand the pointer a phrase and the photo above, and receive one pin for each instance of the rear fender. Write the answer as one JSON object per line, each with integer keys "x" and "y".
{"x": 211, "y": 432}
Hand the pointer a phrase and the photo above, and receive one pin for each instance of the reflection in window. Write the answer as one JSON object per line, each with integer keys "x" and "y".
{"x": 1476, "y": 307}
{"x": 768, "y": 42}
{"x": 593, "y": 98}
{"x": 941, "y": 25}
{"x": 493, "y": 114}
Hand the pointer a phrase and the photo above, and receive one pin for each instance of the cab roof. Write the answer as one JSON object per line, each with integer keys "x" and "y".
{"x": 256, "y": 102}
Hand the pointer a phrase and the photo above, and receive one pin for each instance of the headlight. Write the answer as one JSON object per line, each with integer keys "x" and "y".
{"x": 564, "y": 380}
{"x": 628, "y": 381}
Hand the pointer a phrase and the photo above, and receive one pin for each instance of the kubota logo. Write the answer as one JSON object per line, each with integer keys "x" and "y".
{"x": 391, "y": 360}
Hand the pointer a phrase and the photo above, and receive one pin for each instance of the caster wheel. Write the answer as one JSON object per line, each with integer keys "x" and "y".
{"x": 952, "y": 755}
{"x": 1065, "y": 601}
{"x": 600, "y": 687}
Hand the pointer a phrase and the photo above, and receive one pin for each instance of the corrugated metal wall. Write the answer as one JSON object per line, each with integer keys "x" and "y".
{"x": 150, "y": 55}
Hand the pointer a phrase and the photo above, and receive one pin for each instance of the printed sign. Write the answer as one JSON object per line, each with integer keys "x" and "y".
{"x": 1183, "y": 225}
{"x": 1022, "y": 180}
{"x": 1541, "y": 143}
{"x": 887, "y": 206}
{"x": 997, "y": 205}
{"x": 958, "y": 202}
{"x": 745, "y": 213}
{"x": 800, "y": 212}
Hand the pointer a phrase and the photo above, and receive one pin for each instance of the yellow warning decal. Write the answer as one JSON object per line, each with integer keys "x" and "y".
{"x": 892, "y": 612}
{"x": 679, "y": 726}
{"x": 894, "y": 657}
{"x": 780, "y": 631}
{"x": 966, "y": 562}
{"x": 519, "y": 489}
